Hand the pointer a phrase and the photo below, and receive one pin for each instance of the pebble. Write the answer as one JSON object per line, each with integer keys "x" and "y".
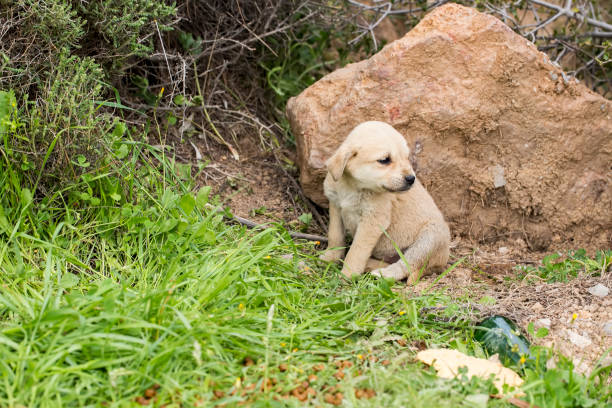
{"x": 503, "y": 250}
{"x": 607, "y": 329}
{"x": 599, "y": 290}
{"x": 577, "y": 339}
{"x": 543, "y": 323}
{"x": 553, "y": 76}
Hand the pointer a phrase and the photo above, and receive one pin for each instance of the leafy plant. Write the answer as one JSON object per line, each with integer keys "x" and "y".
{"x": 128, "y": 26}
{"x": 556, "y": 269}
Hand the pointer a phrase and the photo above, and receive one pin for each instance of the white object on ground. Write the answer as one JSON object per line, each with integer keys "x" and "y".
{"x": 599, "y": 290}
{"x": 448, "y": 362}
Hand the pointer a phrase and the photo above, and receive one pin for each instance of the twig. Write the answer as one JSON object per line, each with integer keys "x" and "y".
{"x": 293, "y": 234}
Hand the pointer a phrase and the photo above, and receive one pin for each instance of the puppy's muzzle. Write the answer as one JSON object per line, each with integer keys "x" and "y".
{"x": 408, "y": 182}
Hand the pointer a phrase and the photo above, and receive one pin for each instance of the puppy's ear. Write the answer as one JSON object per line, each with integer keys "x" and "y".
{"x": 337, "y": 163}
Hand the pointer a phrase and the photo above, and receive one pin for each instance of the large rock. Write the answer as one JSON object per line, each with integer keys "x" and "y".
{"x": 506, "y": 143}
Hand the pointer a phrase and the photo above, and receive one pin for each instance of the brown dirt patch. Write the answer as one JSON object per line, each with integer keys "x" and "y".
{"x": 489, "y": 273}
{"x": 260, "y": 186}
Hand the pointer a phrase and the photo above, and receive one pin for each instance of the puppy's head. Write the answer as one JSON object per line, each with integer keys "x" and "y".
{"x": 373, "y": 157}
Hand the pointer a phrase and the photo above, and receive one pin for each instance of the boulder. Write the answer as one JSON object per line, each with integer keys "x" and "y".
{"x": 508, "y": 145}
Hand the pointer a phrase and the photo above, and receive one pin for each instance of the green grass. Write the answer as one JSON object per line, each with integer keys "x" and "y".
{"x": 126, "y": 284}
{"x": 100, "y": 303}
{"x": 555, "y": 268}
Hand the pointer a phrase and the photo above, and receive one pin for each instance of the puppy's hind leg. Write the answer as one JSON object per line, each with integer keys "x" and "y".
{"x": 428, "y": 250}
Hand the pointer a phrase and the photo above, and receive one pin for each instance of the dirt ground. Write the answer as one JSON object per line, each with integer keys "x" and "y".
{"x": 575, "y": 318}
{"x": 261, "y": 186}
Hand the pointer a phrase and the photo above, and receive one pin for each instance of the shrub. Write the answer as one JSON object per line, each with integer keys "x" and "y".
{"x": 125, "y": 27}
{"x": 56, "y": 56}
{"x": 62, "y": 131}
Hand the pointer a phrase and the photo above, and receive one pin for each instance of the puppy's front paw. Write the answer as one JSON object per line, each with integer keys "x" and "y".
{"x": 332, "y": 255}
{"x": 348, "y": 274}
{"x": 394, "y": 271}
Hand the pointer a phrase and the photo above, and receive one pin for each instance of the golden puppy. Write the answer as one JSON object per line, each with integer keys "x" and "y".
{"x": 374, "y": 197}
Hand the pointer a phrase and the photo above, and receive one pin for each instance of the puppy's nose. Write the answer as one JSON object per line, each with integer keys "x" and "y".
{"x": 410, "y": 179}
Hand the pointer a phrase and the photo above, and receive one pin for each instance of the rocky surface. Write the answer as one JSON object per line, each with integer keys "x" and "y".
{"x": 509, "y": 146}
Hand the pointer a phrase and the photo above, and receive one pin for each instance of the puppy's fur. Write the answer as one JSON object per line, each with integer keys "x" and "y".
{"x": 374, "y": 197}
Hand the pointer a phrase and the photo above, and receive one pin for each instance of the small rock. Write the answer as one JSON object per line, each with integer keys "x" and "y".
{"x": 577, "y": 339}
{"x": 503, "y": 250}
{"x": 599, "y": 290}
{"x": 607, "y": 329}
{"x": 498, "y": 176}
{"x": 537, "y": 307}
{"x": 543, "y": 323}
{"x": 553, "y": 76}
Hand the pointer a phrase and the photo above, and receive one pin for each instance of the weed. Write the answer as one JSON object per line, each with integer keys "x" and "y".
{"x": 556, "y": 269}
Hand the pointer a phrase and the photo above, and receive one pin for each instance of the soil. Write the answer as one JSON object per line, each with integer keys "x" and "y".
{"x": 490, "y": 275}
{"x": 259, "y": 188}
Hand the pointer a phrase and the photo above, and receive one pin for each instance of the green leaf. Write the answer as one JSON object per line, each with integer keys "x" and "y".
{"x": 187, "y": 203}
{"x": 69, "y": 280}
{"x": 171, "y": 119}
{"x": 542, "y": 332}
{"x": 202, "y": 197}
{"x": 82, "y": 161}
{"x": 487, "y": 300}
{"x": 115, "y": 196}
{"x": 168, "y": 224}
{"x": 122, "y": 151}
{"x": 305, "y": 218}
{"x": 119, "y": 130}
{"x": 179, "y": 100}
{"x": 26, "y": 197}
{"x": 208, "y": 236}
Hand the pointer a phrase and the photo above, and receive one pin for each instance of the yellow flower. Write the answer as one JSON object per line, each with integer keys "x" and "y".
{"x": 359, "y": 356}
{"x": 162, "y": 91}
{"x": 238, "y": 382}
{"x": 317, "y": 242}
{"x": 522, "y": 360}
{"x": 283, "y": 344}
{"x": 402, "y": 312}
{"x": 241, "y": 306}
{"x": 267, "y": 257}
{"x": 574, "y": 316}
{"x": 295, "y": 349}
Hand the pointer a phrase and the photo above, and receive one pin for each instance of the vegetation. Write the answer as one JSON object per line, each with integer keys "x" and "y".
{"x": 556, "y": 269}
{"x": 121, "y": 283}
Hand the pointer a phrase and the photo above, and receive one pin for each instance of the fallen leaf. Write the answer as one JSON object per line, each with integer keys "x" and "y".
{"x": 447, "y": 363}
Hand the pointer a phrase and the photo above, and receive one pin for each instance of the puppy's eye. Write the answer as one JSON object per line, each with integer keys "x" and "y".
{"x": 386, "y": 160}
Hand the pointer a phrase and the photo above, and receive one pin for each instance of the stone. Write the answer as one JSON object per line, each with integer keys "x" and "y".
{"x": 469, "y": 95}
{"x": 607, "y": 329}
{"x": 599, "y": 290}
{"x": 546, "y": 322}
{"x": 577, "y": 339}
{"x": 503, "y": 250}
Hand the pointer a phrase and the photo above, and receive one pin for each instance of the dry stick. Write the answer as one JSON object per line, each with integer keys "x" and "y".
{"x": 569, "y": 13}
{"x": 298, "y": 235}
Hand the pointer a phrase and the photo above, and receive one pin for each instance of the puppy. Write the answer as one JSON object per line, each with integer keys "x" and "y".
{"x": 375, "y": 197}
